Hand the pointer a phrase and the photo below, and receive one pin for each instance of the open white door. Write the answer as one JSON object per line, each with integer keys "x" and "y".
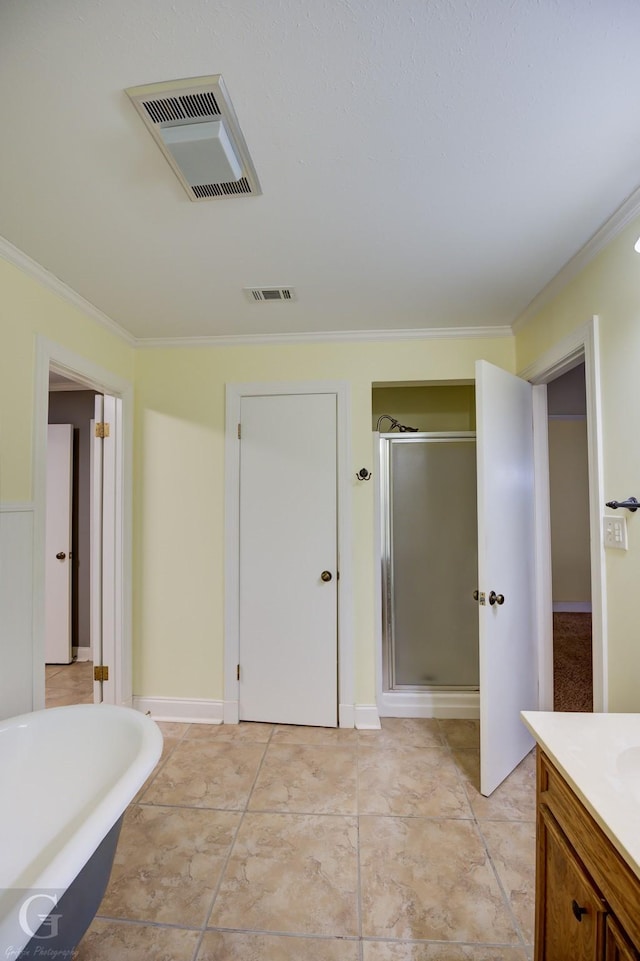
{"x": 506, "y": 569}
{"x": 58, "y": 649}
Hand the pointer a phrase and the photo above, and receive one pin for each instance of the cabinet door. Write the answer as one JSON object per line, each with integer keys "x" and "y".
{"x": 571, "y": 914}
{"x": 618, "y": 946}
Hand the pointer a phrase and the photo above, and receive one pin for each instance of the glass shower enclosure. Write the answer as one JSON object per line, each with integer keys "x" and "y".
{"x": 429, "y": 561}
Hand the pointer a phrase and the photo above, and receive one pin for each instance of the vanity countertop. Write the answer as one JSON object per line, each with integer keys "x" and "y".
{"x": 599, "y": 757}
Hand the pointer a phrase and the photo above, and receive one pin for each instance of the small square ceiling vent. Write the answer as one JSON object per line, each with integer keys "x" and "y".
{"x": 194, "y": 124}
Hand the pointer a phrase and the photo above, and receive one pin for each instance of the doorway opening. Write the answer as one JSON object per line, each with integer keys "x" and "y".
{"x": 110, "y": 566}
{"x": 427, "y": 498}
{"x": 580, "y": 349}
{"x": 570, "y": 559}
{"x": 69, "y": 584}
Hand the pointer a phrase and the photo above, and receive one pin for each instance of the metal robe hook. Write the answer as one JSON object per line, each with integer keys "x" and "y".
{"x": 363, "y": 474}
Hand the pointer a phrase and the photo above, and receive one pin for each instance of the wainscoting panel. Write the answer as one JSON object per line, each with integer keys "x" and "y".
{"x": 16, "y": 602}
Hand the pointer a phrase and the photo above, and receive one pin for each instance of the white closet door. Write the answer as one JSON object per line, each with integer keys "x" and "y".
{"x": 288, "y": 544}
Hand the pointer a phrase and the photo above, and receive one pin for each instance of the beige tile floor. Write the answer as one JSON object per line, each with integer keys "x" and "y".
{"x": 69, "y": 683}
{"x": 259, "y": 842}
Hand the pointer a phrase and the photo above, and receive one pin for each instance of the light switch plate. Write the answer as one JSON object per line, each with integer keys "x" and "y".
{"x": 615, "y": 532}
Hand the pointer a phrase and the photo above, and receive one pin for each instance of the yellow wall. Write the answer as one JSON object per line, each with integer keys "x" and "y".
{"x": 433, "y": 408}
{"x": 27, "y": 308}
{"x": 609, "y": 287}
{"x": 179, "y": 507}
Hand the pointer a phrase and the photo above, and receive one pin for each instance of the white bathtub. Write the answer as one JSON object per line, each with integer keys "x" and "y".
{"x": 66, "y": 776}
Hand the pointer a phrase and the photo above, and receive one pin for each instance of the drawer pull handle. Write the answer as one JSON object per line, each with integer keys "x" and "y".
{"x": 578, "y": 911}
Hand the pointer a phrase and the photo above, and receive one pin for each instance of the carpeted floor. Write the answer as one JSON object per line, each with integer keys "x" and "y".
{"x": 572, "y": 665}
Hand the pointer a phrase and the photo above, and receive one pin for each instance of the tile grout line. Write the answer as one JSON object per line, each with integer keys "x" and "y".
{"x": 223, "y": 869}
{"x": 358, "y": 853}
{"x": 160, "y": 766}
{"x": 506, "y": 898}
{"x": 476, "y": 821}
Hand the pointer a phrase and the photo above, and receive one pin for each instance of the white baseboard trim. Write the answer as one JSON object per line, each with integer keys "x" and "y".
{"x": 230, "y": 712}
{"x": 366, "y": 717}
{"x": 458, "y": 704}
{"x": 186, "y": 709}
{"x": 572, "y": 607}
{"x": 82, "y": 653}
{"x": 346, "y": 715}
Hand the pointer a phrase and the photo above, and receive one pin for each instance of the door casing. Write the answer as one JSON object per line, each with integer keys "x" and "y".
{"x": 234, "y": 395}
{"x": 582, "y": 345}
{"x": 53, "y": 356}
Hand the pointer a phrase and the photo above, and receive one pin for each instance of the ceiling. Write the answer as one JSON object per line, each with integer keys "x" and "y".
{"x": 423, "y": 163}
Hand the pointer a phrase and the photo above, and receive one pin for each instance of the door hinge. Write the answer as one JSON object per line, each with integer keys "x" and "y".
{"x": 238, "y": 673}
{"x": 239, "y": 431}
{"x": 101, "y": 672}
{"x": 102, "y": 429}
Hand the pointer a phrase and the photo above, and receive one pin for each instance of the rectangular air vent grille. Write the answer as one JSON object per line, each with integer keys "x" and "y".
{"x": 190, "y": 106}
{"x": 265, "y": 294}
{"x": 193, "y": 101}
{"x": 222, "y": 190}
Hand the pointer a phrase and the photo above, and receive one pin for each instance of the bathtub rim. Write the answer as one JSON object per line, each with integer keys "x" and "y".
{"x": 66, "y": 863}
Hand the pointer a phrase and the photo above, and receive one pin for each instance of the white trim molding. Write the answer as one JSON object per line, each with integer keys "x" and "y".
{"x": 366, "y": 717}
{"x": 609, "y": 230}
{"x": 580, "y": 346}
{"x": 53, "y": 356}
{"x": 572, "y": 607}
{"x": 188, "y": 710}
{"x": 27, "y": 265}
{"x": 459, "y": 704}
{"x": 325, "y": 336}
{"x": 234, "y": 395}
{"x": 82, "y": 654}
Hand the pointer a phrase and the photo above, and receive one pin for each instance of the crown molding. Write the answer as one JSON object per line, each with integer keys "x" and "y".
{"x": 329, "y": 336}
{"x": 28, "y": 266}
{"x": 609, "y": 230}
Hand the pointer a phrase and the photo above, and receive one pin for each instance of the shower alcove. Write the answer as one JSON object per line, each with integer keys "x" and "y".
{"x": 428, "y": 536}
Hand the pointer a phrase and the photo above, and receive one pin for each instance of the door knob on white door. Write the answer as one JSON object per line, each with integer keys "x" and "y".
{"x": 496, "y": 598}
{"x": 61, "y": 555}
{"x": 326, "y": 576}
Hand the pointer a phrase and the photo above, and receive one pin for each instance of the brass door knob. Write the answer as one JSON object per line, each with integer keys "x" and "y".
{"x": 61, "y": 555}
{"x": 326, "y": 576}
{"x": 496, "y": 598}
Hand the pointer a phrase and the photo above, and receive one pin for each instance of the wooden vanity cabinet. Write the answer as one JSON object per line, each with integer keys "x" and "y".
{"x": 587, "y": 897}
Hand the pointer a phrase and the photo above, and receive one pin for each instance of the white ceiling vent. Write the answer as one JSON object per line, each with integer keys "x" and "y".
{"x": 194, "y": 124}
{"x": 269, "y": 294}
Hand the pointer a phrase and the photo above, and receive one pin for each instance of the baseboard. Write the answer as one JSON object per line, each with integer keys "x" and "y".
{"x": 230, "y": 712}
{"x": 82, "y": 654}
{"x": 366, "y": 717}
{"x": 346, "y": 715}
{"x": 186, "y": 709}
{"x": 572, "y": 607}
{"x": 458, "y": 704}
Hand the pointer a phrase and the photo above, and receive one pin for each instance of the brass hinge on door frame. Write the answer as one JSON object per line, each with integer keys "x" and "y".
{"x": 102, "y": 429}
{"x": 101, "y": 672}
{"x": 239, "y": 431}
